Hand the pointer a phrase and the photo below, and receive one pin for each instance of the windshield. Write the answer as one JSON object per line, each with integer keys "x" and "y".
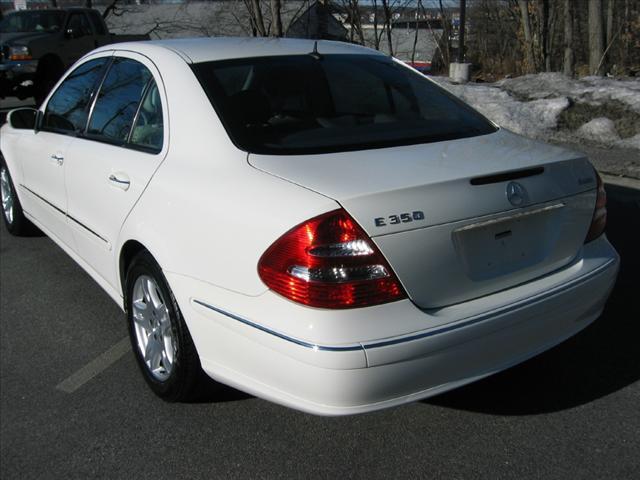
{"x": 32, "y": 21}
{"x": 306, "y": 104}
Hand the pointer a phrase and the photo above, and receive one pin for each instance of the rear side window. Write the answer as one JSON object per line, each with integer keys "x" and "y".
{"x": 117, "y": 103}
{"x": 67, "y": 109}
{"x": 331, "y": 103}
{"x": 148, "y": 131}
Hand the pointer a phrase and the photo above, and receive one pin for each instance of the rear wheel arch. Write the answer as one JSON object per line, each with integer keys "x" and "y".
{"x": 160, "y": 337}
{"x": 130, "y": 249}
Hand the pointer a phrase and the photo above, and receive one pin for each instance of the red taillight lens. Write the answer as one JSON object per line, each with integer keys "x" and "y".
{"x": 329, "y": 262}
{"x": 599, "y": 220}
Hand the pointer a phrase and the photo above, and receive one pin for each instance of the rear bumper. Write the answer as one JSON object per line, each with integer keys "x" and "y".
{"x": 473, "y": 340}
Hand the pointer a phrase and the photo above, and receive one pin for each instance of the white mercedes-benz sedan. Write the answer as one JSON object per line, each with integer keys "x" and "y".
{"x": 313, "y": 223}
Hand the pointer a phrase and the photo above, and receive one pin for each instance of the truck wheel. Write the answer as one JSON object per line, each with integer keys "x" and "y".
{"x": 49, "y": 72}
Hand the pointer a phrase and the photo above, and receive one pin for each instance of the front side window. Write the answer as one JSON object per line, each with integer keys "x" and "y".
{"x": 67, "y": 109}
{"x": 117, "y": 103}
{"x": 308, "y": 104}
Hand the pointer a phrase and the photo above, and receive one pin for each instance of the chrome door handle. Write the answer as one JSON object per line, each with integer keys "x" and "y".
{"x": 59, "y": 159}
{"x": 120, "y": 182}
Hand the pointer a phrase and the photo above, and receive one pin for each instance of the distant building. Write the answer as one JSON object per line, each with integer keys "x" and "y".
{"x": 318, "y": 21}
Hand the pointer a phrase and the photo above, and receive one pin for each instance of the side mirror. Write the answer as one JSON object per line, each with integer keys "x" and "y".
{"x": 23, "y": 118}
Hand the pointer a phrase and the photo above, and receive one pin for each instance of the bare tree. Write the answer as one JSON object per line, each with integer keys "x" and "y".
{"x": 596, "y": 37}
{"x": 352, "y": 9}
{"x": 444, "y": 42}
{"x": 255, "y": 17}
{"x": 610, "y": 9}
{"x": 419, "y": 9}
{"x": 112, "y": 9}
{"x": 376, "y": 36}
{"x": 530, "y": 66}
{"x": 569, "y": 56}
{"x": 276, "y": 15}
{"x": 388, "y": 17}
{"x": 544, "y": 34}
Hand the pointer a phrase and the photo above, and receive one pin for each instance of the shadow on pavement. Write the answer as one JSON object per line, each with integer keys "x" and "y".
{"x": 600, "y": 360}
{"x": 210, "y": 391}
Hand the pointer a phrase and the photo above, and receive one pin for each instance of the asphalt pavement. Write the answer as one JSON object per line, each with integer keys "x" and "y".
{"x": 573, "y": 412}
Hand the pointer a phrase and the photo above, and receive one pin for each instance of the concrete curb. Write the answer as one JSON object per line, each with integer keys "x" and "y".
{"x": 621, "y": 181}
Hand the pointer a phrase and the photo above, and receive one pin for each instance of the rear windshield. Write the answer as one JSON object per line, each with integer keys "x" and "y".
{"x": 331, "y": 103}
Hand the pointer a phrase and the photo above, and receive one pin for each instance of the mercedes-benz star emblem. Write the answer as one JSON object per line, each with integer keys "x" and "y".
{"x": 516, "y": 194}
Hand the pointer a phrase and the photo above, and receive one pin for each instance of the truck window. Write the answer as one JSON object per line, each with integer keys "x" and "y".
{"x": 97, "y": 22}
{"x": 32, "y": 21}
{"x": 79, "y": 24}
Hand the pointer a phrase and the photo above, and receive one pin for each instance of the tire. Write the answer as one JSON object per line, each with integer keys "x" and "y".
{"x": 12, "y": 214}
{"x": 160, "y": 339}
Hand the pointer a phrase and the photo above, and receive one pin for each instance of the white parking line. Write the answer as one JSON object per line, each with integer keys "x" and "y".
{"x": 95, "y": 366}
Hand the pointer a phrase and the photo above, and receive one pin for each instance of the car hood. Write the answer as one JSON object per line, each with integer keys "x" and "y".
{"x": 20, "y": 38}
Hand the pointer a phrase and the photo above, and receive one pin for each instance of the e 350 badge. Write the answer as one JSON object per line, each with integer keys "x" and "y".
{"x": 399, "y": 218}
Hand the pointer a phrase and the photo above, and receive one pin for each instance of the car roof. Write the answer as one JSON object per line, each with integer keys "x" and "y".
{"x": 196, "y": 50}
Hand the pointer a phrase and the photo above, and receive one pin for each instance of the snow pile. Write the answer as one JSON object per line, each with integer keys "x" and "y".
{"x": 590, "y": 90}
{"x": 602, "y": 111}
{"x": 601, "y": 130}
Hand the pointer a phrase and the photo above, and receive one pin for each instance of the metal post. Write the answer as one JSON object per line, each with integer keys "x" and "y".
{"x": 463, "y": 5}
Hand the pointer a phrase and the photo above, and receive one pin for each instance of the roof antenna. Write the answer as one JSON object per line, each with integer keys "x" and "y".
{"x": 315, "y": 53}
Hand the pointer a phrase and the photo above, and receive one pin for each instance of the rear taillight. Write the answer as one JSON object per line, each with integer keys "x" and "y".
{"x": 329, "y": 262}
{"x": 599, "y": 220}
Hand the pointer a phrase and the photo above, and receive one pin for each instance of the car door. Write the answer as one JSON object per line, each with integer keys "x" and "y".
{"x": 101, "y": 35}
{"x": 43, "y": 151}
{"x": 78, "y": 37}
{"x": 109, "y": 167}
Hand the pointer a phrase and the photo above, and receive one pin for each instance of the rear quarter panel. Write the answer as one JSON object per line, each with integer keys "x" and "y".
{"x": 207, "y": 214}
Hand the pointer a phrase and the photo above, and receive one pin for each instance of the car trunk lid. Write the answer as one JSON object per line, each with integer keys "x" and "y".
{"x": 459, "y": 219}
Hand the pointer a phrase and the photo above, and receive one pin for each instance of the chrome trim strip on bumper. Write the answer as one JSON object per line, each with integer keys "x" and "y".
{"x": 430, "y": 333}
{"x": 498, "y": 311}
{"x": 302, "y": 343}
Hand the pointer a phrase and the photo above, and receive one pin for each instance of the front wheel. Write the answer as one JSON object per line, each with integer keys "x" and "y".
{"x": 159, "y": 336}
{"x": 12, "y": 213}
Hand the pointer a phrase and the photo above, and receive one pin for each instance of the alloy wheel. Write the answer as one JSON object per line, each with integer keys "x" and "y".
{"x": 154, "y": 331}
{"x": 7, "y": 195}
